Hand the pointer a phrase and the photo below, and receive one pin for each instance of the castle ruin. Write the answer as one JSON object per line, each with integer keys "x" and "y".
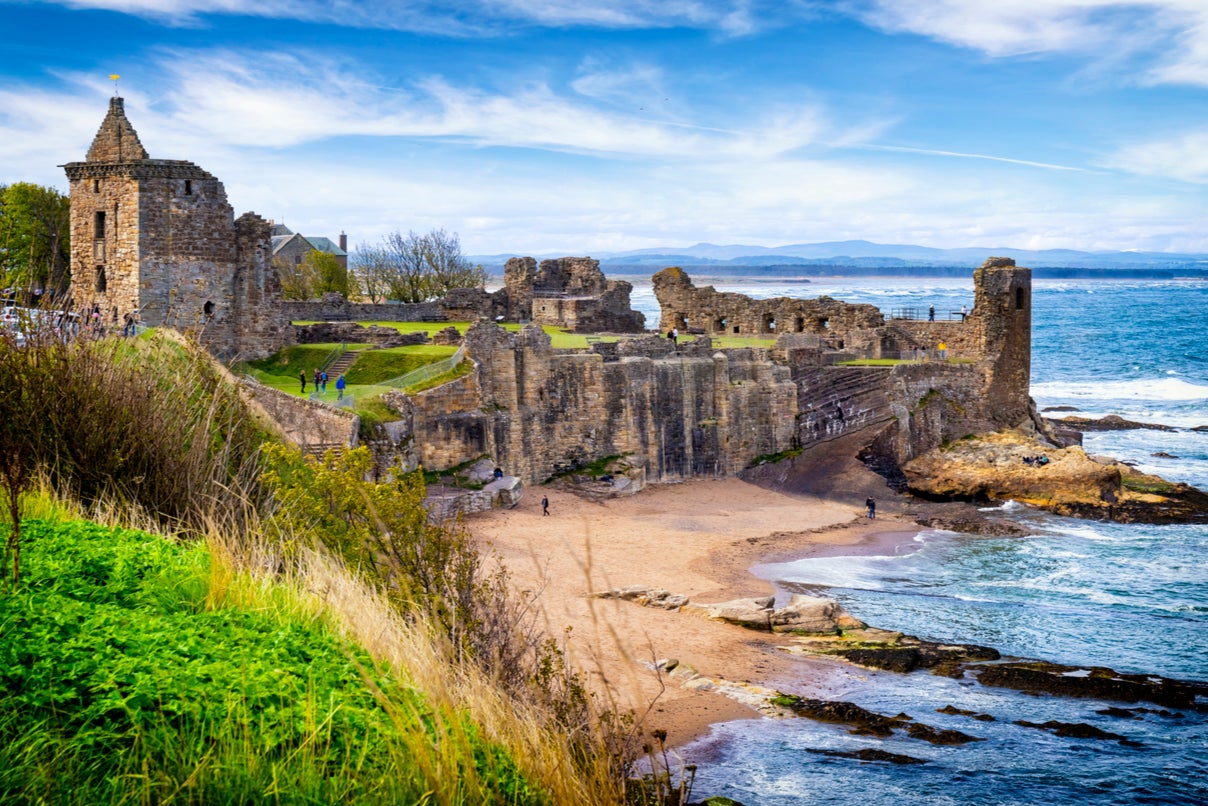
{"x": 157, "y": 241}
{"x": 690, "y": 410}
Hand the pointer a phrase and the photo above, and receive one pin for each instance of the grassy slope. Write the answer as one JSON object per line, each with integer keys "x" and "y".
{"x": 136, "y": 669}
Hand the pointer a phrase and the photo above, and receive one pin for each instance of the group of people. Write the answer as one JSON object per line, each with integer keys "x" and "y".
{"x": 1036, "y": 461}
{"x": 320, "y": 382}
{"x": 931, "y": 313}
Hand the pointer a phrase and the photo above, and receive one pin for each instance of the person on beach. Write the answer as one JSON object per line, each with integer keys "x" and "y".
{"x": 340, "y": 385}
{"x": 871, "y": 503}
{"x": 545, "y": 505}
{"x": 302, "y": 376}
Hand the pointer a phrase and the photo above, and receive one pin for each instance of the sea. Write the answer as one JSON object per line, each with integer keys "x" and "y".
{"x": 1126, "y": 596}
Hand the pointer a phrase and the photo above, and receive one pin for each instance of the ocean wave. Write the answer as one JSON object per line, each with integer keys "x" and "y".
{"x": 1167, "y": 388}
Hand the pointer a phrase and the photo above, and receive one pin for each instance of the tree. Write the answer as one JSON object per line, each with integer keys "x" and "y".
{"x": 296, "y": 280}
{"x": 327, "y": 275}
{"x": 35, "y": 228}
{"x": 317, "y": 274}
{"x": 416, "y": 268}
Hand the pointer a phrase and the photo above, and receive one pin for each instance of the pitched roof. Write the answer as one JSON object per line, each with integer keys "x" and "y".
{"x": 116, "y": 140}
{"x": 281, "y": 229}
{"x": 326, "y": 245}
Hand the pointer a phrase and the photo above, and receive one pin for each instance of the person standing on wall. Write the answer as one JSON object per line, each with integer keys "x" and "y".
{"x": 323, "y": 378}
{"x": 931, "y": 314}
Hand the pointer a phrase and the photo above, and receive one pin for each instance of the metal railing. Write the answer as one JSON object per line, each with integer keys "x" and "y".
{"x": 428, "y": 371}
{"x": 334, "y": 355}
{"x": 924, "y": 314}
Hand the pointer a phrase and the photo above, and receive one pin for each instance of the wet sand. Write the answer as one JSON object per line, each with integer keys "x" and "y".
{"x": 699, "y": 539}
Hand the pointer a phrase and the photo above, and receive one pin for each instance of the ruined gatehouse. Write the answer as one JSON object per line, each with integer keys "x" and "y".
{"x": 156, "y": 240}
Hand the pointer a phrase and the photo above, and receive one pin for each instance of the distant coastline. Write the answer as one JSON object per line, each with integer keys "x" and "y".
{"x": 799, "y": 272}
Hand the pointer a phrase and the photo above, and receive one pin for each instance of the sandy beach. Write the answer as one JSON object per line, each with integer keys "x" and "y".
{"x": 699, "y": 539}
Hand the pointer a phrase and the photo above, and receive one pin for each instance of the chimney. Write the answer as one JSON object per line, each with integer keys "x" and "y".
{"x": 343, "y": 242}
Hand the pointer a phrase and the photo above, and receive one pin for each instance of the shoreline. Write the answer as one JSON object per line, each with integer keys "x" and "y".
{"x": 701, "y": 539}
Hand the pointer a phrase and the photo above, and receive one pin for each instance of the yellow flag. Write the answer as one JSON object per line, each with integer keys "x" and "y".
{"x": 114, "y": 77}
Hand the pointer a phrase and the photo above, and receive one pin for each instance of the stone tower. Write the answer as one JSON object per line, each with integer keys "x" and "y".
{"x": 157, "y": 238}
{"x": 1002, "y": 323}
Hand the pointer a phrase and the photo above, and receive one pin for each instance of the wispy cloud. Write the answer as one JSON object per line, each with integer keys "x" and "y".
{"x": 451, "y": 17}
{"x": 1183, "y": 157}
{"x": 961, "y": 155}
{"x": 1171, "y": 36}
{"x": 281, "y": 100}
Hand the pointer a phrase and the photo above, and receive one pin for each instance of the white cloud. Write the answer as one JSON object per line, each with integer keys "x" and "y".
{"x": 278, "y": 100}
{"x": 1172, "y": 35}
{"x": 1184, "y": 157}
{"x": 276, "y": 129}
{"x": 450, "y": 17}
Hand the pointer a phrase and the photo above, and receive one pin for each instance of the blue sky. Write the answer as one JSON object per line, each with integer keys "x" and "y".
{"x": 560, "y": 126}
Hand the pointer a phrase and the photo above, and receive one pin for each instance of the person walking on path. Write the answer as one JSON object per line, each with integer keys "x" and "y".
{"x": 340, "y": 388}
{"x": 316, "y": 379}
{"x": 545, "y": 505}
{"x": 302, "y": 375}
{"x": 871, "y": 503}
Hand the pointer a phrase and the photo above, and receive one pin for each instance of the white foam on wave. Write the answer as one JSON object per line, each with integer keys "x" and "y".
{"x": 1149, "y": 389}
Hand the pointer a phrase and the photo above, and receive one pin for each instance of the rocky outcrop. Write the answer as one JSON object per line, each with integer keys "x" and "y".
{"x": 1111, "y": 422}
{"x": 1041, "y": 677}
{"x": 802, "y": 614}
{"x": 992, "y": 468}
{"x": 869, "y": 723}
{"x": 893, "y": 651}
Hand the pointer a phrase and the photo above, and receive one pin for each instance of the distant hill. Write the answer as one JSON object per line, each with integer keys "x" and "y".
{"x": 866, "y": 257}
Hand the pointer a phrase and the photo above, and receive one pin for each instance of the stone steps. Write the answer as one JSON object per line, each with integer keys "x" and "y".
{"x": 338, "y": 367}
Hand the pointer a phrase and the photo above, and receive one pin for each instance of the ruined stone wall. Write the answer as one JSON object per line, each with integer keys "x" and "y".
{"x": 686, "y": 307}
{"x": 537, "y": 412}
{"x": 336, "y": 308}
{"x": 570, "y": 293}
{"x": 448, "y": 424}
{"x": 1002, "y": 318}
{"x": 962, "y": 340}
{"x": 306, "y": 423}
{"x": 352, "y": 333}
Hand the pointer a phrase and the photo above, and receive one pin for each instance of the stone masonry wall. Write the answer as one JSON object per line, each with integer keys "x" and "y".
{"x": 306, "y": 423}
{"x": 686, "y": 307}
{"x": 537, "y": 412}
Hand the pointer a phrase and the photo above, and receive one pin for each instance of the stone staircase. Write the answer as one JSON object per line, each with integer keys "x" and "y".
{"x": 338, "y": 367}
